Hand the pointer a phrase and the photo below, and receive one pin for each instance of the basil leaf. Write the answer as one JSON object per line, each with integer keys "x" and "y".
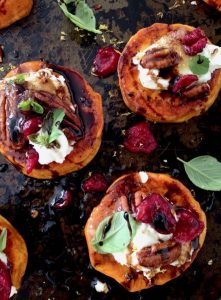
{"x": 114, "y": 233}
{"x": 83, "y": 17}
{"x": 204, "y": 171}
{"x": 41, "y": 139}
{"x": 58, "y": 116}
{"x": 19, "y": 79}
{"x": 26, "y": 105}
{"x": 36, "y": 107}
{"x": 3, "y": 239}
{"x": 199, "y": 64}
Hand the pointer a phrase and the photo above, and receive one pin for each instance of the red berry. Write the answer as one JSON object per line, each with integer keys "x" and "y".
{"x": 196, "y": 48}
{"x": 192, "y": 37}
{"x": 139, "y": 139}
{"x": 183, "y": 82}
{"x": 31, "y": 126}
{"x": 63, "y": 199}
{"x": 106, "y": 61}
{"x": 188, "y": 226}
{"x": 5, "y": 282}
{"x": 32, "y": 160}
{"x": 156, "y": 210}
{"x": 194, "y": 42}
{"x": 95, "y": 183}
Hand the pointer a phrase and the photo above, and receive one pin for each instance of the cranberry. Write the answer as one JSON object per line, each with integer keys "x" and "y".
{"x": 156, "y": 210}
{"x": 31, "y": 126}
{"x": 188, "y": 226}
{"x": 106, "y": 61}
{"x": 62, "y": 199}
{"x": 192, "y": 37}
{"x": 183, "y": 82}
{"x": 32, "y": 160}
{"x": 95, "y": 183}
{"x": 5, "y": 282}
{"x": 194, "y": 42}
{"x": 139, "y": 139}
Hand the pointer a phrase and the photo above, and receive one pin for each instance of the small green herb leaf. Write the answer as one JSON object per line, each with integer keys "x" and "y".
{"x": 204, "y": 171}
{"x": 50, "y": 128}
{"x": 114, "y": 233}
{"x": 199, "y": 64}
{"x": 3, "y": 239}
{"x": 19, "y": 79}
{"x": 29, "y": 104}
{"x": 83, "y": 17}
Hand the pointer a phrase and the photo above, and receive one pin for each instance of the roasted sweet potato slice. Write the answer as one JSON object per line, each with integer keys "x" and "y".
{"x": 160, "y": 105}
{"x": 214, "y": 3}
{"x": 133, "y": 187}
{"x": 16, "y": 252}
{"x": 12, "y": 11}
{"x": 83, "y": 114}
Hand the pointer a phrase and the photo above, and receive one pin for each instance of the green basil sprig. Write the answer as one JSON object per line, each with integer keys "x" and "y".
{"x": 29, "y": 104}
{"x": 199, "y": 64}
{"x": 114, "y": 233}
{"x": 204, "y": 171}
{"x": 50, "y": 128}
{"x": 83, "y": 17}
{"x": 3, "y": 239}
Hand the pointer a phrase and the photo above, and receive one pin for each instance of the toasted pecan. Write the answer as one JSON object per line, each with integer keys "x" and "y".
{"x": 160, "y": 254}
{"x": 160, "y": 58}
{"x": 199, "y": 91}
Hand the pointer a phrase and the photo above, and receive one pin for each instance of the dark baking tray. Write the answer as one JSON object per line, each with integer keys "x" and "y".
{"x": 58, "y": 266}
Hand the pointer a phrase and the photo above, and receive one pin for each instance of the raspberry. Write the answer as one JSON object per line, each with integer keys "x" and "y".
{"x": 95, "y": 183}
{"x": 5, "y": 282}
{"x": 32, "y": 160}
{"x": 31, "y": 126}
{"x": 188, "y": 226}
{"x": 106, "y": 61}
{"x": 183, "y": 82}
{"x": 139, "y": 139}
{"x": 156, "y": 210}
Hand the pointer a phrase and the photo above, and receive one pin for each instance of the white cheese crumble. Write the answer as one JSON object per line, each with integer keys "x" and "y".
{"x": 13, "y": 291}
{"x": 143, "y": 176}
{"x": 150, "y": 79}
{"x": 101, "y": 287}
{"x": 53, "y": 154}
{"x": 145, "y": 236}
{"x": 3, "y": 258}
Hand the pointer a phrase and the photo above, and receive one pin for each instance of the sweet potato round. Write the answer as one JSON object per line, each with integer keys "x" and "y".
{"x": 84, "y": 150}
{"x": 159, "y": 106}
{"x": 12, "y": 11}
{"x": 16, "y": 252}
{"x": 166, "y": 186}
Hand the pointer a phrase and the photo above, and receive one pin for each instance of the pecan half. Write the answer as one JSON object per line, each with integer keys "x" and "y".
{"x": 160, "y": 58}
{"x": 160, "y": 254}
{"x": 197, "y": 91}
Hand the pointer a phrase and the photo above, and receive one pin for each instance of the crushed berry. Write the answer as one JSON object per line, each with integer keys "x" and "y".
{"x": 95, "y": 183}
{"x": 192, "y": 37}
{"x": 106, "y": 61}
{"x": 183, "y": 82}
{"x": 62, "y": 199}
{"x": 139, "y": 139}
{"x": 156, "y": 210}
{"x": 32, "y": 160}
{"x": 31, "y": 126}
{"x": 194, "y": 42}
{"x": 188, "y": 226}
{"x": 5, "y": 282}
